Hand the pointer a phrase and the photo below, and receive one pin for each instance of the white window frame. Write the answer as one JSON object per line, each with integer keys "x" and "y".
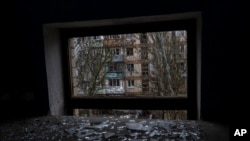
{"x": 131, "y": 83}
{"x": 114, "y": 82}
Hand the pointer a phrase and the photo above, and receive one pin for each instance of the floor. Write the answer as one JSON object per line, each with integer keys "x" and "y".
{"x": 73, "y": 128}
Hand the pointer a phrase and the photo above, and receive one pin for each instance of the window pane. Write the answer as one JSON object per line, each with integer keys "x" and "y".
{"x": 129, "y": 51}
{"x": 155, "y": 61}
{"x": 130, "y": 83}
{"x": 130, "y": 67}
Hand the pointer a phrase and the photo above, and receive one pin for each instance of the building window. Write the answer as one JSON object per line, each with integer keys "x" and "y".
{"x": 98, "y": 37}
{"x": 113, "y": 51}
{"x": 130, "y": 67}
{"x": 144, "y": 69}
{"x": 129, "y": 51}
{"x": 113, "y": 37}
{"x": 166, "y": 23}
{"x": 144, "y": 53}
{"x": 131, "y": 83}
{"x": 129, "y": 36}
{"x": 114, "y": 82}
{"x": 181, "y": 66}
{"x": 117, "y": 51}
{"x": 115, "y": 67}
{"x": 143, "y": 38}
{"x": 145, "y": 86}
{"x": 181, "y": 49}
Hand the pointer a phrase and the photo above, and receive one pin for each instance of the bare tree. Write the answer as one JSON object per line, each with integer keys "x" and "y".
{"x": 166, "y": 60}
{"x": 90, "y": 64}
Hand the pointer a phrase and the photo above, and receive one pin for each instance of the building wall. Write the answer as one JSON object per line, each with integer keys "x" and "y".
{"x": 136, "y": 89}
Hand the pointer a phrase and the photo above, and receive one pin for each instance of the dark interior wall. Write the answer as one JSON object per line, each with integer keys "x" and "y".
{"x": 224, "y": 40}
{"x": 24, "y": 92}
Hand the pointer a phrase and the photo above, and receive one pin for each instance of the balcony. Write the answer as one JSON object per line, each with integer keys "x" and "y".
{"x": 96, "y": 43}
{"x": 181, "y": 56}
{"x": 129, "y": 42}
{"x": 113, "y": 42}
{"x": 114, "y": 75}
{"x": 118, "y": 58}
{"x": 110, "y": 90}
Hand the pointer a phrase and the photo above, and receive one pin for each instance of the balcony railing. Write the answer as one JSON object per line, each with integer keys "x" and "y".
{"x": 114, "y": 75}
{"x": 118, "y": 58}
{"x": 96, "y": 43}
{"x": 110, "y": 90}
{"x": 113, "y": 42}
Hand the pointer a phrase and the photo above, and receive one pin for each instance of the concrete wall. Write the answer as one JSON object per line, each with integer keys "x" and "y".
{"x": 53, "y": 57}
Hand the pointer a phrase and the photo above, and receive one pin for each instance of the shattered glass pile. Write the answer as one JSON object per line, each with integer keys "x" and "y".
{"x": 72, "y": 128}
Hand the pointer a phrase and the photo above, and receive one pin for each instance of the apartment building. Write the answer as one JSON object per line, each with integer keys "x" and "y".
{"x": 125, "y": 64}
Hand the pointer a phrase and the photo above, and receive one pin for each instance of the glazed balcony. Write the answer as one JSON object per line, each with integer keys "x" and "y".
{"x": 114, "y": 75}
{"x": 118, "y": 58}
{"x": 110, "y": 90}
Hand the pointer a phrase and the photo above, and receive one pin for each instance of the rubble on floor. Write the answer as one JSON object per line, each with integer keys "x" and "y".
{"x": 72, "y": 128}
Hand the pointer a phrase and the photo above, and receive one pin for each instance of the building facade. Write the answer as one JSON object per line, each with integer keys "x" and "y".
{"x": 122, "y": 64}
